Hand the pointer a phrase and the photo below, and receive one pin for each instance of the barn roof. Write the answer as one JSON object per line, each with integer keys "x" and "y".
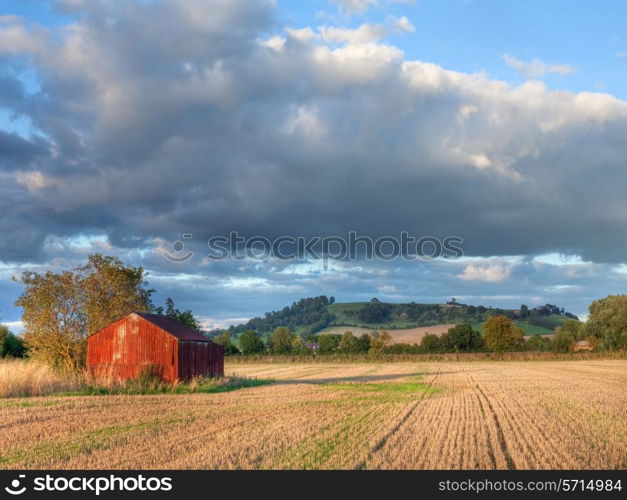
{"x": 174, "y": 328}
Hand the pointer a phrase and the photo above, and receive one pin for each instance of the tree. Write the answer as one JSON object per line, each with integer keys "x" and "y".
{"x": 349, "y": 343}
{"x": 374, "y": 312}
{"x": 608, "y": 320}
{"x": 185, "y": 317}
{"x": 364, "y": 342}
{"x": 224, "y": 339}
{"x": 462, "y": 338}
{"x": 431, "y": 343}
{"x": 60, "y": 310}
{"x": 537, "y": 343}
{"x": 328, "y": 343}
{"x": 4, "y": 333}
{"x": 378, "y": 341}
{"x": 281, "y": 340}
{"x": 251, "y": 343}
{"x": 112, "y": 290}
{"x": 500, "y": 334}
{"x": 10, "y": 345}
{"x": 524, "y": 311}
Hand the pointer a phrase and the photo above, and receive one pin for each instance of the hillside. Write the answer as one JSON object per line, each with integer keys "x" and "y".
{"x": 322, "y": 314}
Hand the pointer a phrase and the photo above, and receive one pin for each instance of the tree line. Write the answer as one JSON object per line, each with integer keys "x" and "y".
{"x": 61, "y": 309}
{"x": 312, "y": 313}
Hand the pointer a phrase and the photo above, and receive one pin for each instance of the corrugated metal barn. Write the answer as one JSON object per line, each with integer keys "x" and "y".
{"x": 143, "y": 342}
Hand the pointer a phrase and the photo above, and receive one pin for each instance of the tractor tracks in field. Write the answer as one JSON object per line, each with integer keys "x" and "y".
{"x": 500, "y": 435}
{"x": 381, "y": 443}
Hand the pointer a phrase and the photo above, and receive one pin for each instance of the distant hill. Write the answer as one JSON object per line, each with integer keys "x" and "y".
{"x": 317, "y": 314}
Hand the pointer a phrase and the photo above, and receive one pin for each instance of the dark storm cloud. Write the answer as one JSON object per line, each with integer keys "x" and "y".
{"x": 206, "y": 117}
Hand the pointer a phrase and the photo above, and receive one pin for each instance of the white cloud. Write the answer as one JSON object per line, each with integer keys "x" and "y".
{"x": 210, "y": 323}
{"x": 355, "y": 6}
{"x": 352, "y": 7}
{"x": 14, "y": 326}
{"x": 35, "y": 180}
{"x": 401, "y": 24}
{"x": 365, "y": 33}
{"x": 492, "y": 273}
{"x": 536, "y": 68}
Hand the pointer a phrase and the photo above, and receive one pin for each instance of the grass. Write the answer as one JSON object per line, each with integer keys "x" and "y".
{"x": 346, "y": 321}
{"x": 24, "y": 378}
{"x": 141, "y": 387}
{"x": 20, "y": 378}
{"x": 403, "y": 387}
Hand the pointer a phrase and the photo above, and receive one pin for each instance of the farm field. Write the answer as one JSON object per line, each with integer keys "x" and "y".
{"x": 404, "y": 336}
{"x": 473, "y": 415}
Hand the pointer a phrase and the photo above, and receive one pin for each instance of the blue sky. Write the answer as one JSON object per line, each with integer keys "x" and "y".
{"x": 124, "y": 125}
{"x": 471, "y": 35}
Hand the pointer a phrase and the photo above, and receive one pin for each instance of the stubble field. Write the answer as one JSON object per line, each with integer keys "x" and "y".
{"x": 474, "y": 415}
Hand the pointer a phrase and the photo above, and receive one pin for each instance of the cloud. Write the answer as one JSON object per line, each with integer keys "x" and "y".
{"x": 363, "y": 34}
{"x": 355, "y": 6}
{"x": 352, "y": 7}
{"x": 492, "y": 273}
{"x": 210, "y": 116}
{"x": 536, "y": 68}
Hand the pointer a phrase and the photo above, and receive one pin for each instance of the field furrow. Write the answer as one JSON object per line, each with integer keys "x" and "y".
{"x": 446, "y": 415}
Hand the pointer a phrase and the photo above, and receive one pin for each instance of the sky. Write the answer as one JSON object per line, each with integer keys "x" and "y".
{"x": 125, "y": 125}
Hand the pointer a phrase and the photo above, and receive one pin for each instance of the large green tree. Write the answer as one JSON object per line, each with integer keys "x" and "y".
{"x": 431, "y": 343}
{"x": 608, "y": 320}
{"x": 224, "y": 339}
{"x": 281, "y": 340}
{"x": 501, "y": 334}
{"x": 462, "y": 338}
{"x": 328, "y": 342}
{"x": 10, "y": 345}
{"x": 186, "y": 317}
{"x": 250, "y": 342}
{"x": 349, "y": 344}
{"x": 60, "y": 310}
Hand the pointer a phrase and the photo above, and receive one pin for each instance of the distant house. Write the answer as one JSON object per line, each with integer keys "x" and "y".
{"x": 140, "y": 343}
{"x": 583, "y": 345}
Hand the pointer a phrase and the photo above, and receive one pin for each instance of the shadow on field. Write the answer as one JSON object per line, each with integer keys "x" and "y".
{"x": 358, "y": 378}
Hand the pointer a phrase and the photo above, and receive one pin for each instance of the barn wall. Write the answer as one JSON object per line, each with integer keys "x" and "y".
{"x": 197, "y": 359}
{"x": 130, "y": 347}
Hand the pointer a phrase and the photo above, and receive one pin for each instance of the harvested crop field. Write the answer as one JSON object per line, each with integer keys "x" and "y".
{"x": 474, "y": 415}
{"x": 404, "y": 336}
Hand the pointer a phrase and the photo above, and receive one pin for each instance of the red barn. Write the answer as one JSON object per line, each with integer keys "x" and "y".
{"x": 143, "y": 342}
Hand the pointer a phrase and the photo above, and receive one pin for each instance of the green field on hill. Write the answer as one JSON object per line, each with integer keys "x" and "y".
{"x": 314, "y": 315}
